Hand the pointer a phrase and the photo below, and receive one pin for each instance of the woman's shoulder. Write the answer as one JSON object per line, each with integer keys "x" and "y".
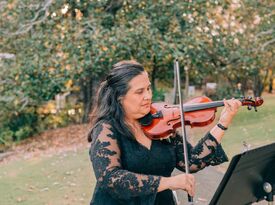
{"x": 102, "y": 130}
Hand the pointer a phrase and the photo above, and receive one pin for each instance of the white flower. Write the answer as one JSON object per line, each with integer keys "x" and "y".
{"x": 206, "y": 29}
{"x": 216, "y": 26}
{"x": 257, "y": 20}
{"x": 199, "y": 29}
{"x": 65, "y": 9}
{"x": 232, "y": 24}
{"x": 225, "y": 25}
{"x": 214, "y": 33}
{"x": 241, "y": 30}
{"x": 210, "y": 21}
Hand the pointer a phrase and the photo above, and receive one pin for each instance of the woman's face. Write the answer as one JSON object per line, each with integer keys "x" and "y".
{"x": 137, "y": 101}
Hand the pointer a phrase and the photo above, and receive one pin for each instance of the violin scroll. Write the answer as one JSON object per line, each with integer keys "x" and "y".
{"x": 250, "y": 103}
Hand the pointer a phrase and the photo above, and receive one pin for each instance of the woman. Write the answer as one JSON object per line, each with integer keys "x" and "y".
{"x": 130, "y": 168}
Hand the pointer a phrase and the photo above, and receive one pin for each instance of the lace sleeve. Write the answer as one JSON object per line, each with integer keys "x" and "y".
{"x": 207, "y": 152}
{"x": 105, "y": 157}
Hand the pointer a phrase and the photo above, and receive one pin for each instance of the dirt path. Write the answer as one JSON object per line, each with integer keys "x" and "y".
{"x": 207, "y": 181}
{"x": 49, "y": 143}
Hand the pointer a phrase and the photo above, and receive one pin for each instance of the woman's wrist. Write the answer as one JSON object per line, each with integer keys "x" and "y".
{"x": 221, "y": 126}
{"x": 168, "y": 183}
{"x": 224, "y": 123}
{"x": 165, "y": 183}
{"x": 217, "y": 133}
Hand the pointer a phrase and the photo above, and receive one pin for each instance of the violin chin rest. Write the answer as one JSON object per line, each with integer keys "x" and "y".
{"x": 146, "y": 120}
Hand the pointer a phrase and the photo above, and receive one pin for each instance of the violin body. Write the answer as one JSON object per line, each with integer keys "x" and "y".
{"x": 164, "y": 119}
{"x": 170, "y": 119}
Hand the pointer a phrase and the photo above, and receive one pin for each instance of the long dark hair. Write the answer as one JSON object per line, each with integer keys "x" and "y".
{"x": 107, "y": 107}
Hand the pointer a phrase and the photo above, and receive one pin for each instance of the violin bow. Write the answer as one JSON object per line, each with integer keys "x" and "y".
{"x": 184, "y": 135}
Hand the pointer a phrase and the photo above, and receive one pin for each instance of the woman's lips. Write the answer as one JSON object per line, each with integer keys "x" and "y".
{"x": 147, "y": 104}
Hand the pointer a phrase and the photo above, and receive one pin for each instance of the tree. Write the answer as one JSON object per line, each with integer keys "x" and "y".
{"x": 59, "y": 46}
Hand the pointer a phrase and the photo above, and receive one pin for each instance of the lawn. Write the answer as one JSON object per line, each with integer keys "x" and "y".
{"x": 61, "y": 179}
{"x": 67, "y": 178}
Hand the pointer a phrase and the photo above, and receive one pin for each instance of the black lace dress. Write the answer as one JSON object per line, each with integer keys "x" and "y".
{"x": 129, "y": 173}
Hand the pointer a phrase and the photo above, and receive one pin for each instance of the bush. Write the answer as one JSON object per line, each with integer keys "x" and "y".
{"x": 158, "y": 95}
{"x": 226, "y": 92}
{"x": 6, "y": 135}
{"x": 23, "y": 133}
{"x": 17, "y": 126}
{"x": 50, "y": 119}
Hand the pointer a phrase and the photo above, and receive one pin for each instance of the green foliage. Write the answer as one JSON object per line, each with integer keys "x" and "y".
{"x": 226, "y": 92}
{"x": 23, "y": 133}
{"x": 18, "y": 126}
{"x": 6, "y": 136}
{"x": 79, "y": 41}
{"x": 68, "y": 115}
{"x": 158, "y": 95}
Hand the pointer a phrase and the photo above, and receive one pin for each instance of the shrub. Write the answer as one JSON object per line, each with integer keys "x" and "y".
{"x": 6, "y": 135}
{"x": 158, "y": 95}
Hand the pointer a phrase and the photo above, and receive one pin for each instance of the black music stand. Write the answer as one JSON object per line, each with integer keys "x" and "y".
{"x": 246, "y": 176}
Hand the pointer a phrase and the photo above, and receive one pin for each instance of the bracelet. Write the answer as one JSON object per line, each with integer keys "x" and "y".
{"x": 222, "y": 127}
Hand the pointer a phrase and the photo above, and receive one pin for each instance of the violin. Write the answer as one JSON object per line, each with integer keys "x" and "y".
{"x": 163, "y": 119}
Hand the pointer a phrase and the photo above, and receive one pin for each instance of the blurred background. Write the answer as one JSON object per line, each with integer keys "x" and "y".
{"x": 54, "y": 54}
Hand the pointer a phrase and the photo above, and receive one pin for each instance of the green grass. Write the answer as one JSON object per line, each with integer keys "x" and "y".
{"x": 68, "y": 178}
{"x": 255, "y": 128}
{"x": 61, "y": 179}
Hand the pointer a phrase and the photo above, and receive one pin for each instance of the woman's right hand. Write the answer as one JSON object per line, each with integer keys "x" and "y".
{"x": 184, "y": 182}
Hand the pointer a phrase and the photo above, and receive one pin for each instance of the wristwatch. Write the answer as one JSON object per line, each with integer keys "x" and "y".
{"x": 222, "y": 127}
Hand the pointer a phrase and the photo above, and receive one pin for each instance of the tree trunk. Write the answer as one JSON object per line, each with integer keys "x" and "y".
{"x": 270, "y": 83}
{"x": 258, "y": 86}
{"x": 270, "y": 87}
{"x": 87, "y": 89}
{"x": 153, "y": 74}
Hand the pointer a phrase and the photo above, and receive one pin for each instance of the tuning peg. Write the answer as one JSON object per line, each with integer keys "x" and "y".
{"x": 250, "y": 97}
{"x": 249, "y": 107}
{"x": 255, "y": 108}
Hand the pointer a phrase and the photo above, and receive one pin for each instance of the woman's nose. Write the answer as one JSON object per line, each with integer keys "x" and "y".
{"x": 148, "y": 95}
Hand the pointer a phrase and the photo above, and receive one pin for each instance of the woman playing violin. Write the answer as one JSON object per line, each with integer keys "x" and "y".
{"x": 130, "y": 168}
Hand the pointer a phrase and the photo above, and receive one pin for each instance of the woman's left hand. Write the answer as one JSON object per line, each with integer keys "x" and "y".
{"x": 229, "y": 111}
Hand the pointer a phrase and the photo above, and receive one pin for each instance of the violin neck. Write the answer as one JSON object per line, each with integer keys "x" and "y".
{"x": 202, "y": 106}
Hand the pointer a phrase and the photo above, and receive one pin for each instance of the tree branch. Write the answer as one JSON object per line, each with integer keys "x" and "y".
{"x": 28, "y": 26}
{"x": 7, "y": 55}
{"x": 2, "y": 5}
{"x": 25, "y": 102}
{"x": 270, "y": 31}
{"x": 267, "y": 43}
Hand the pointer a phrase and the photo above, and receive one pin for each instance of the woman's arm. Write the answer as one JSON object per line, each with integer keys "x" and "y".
{"x": 105, "y": 157}
{"x": 230, "y": 110}
{"x": 208, "y": 151}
